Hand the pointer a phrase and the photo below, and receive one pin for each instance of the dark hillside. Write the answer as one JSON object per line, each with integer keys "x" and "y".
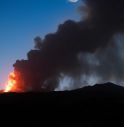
{"x": 90, "y": 106}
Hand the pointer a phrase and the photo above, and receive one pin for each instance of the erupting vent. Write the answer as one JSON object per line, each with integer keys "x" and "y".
{"x": 12, "y": 84}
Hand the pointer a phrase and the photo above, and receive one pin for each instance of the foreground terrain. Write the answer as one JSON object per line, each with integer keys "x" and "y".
{"x": 98, "y": 105}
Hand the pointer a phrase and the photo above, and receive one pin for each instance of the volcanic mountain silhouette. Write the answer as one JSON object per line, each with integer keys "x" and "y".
{"x": 98, "y": 105}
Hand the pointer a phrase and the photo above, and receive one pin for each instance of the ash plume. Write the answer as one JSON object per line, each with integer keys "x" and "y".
{"x": 78, "y": 50}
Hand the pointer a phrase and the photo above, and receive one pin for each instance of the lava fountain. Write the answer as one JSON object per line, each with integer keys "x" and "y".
{"x": 12, "y": 84}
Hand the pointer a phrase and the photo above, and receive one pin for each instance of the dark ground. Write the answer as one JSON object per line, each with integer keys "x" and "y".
{"x": 100, "y": 105}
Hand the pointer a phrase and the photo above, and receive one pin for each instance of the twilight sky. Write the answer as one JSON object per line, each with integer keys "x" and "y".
{"x": 23, "y": 20}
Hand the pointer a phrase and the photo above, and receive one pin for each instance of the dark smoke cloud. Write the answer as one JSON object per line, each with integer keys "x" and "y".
{"x": 77, "y": 49}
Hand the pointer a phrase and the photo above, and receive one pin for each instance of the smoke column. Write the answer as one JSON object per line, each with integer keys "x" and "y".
{"x": 83, "y": 51}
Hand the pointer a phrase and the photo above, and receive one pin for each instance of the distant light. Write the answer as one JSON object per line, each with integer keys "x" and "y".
{"x": 73, "y": 1}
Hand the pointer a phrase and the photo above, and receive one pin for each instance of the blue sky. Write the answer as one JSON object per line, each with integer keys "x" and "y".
{"x": 22, "y": 20}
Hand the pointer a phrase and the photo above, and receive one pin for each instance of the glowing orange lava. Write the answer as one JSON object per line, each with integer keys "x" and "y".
{"x": 11, "y": 83}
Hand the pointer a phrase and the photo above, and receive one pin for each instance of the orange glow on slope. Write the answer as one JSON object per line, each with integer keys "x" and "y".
{"x": 11, "y": 85}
